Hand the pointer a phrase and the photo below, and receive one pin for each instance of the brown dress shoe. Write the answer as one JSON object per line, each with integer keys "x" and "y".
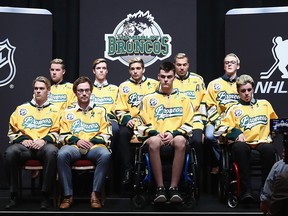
{"x": 95, "y": 203}
{"x": 66, "y": 203}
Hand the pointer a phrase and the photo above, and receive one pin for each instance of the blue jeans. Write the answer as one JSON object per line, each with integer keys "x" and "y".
{"x": 100, "y": 156}
{"x": 213, "y": 141}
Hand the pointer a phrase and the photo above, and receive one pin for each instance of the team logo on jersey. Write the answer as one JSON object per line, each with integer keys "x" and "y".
{"x": 153, "y": 102}
{"x": 7, "y": 64}
{"x": 216, "y": 86}
{"x": 134, "y": 99}
{"x": 53, "y": 98}
{"x": 101, "y": 100}
{"x": 126, "y": 89}
{"x": 190, "y": 94}
{"x": 79, "y": 126}
{"x": 279, "y": 51}
{"x": 224, "y": 98}
{"x": 138, "y": 35}
{"x": 23, "y": 112}
{"x": 70, "y": 116}
{"x": 31, "y": 123}
{"x": 248, "y": 122}
{"x": 238, "y": 113}
{"x": 162, "y": 112}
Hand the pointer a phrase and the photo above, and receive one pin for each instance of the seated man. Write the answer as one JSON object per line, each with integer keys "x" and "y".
{"x": 274, "y": 196}
{"x": 247, "y": 124}
{"x": 85, "y": 132}
{"x": 166, "y": 119}
{"x": 33, "y": 134}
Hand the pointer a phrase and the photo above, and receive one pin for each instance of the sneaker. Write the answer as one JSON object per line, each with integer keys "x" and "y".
{"x": 160, "y": 195}
{"x": 12, "y": 203}
{"x": 175, "y": 195}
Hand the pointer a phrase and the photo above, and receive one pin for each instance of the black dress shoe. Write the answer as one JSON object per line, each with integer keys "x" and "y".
{"x": 45, "y": 203}
{"x": 12, "y": 204}
{"x": 247, "y": 197}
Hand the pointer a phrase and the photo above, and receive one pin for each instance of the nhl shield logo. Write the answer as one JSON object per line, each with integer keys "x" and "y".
{"x": 138, "y": 36}
{"x": 7, "y": 65}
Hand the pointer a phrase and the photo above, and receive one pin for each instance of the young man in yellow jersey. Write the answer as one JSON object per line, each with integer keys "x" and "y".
{"x": 221, "y": 93}
{"x": 85, "y": 132}
{"x": 33, "y": 133}
{"x": 130, "y": 95}
{"x": 105, "y": 94}
{"x": 166, "y": 116}
{"x": 61, "y": 93}
{"x": 192, "y": 85}
{"x": 247, "y": 124}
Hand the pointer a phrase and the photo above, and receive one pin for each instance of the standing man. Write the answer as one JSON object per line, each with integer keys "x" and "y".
{"x": 131, "y": 93}
{"x": 247, "y": 125}
{"x": 167, "y": 117}
{"x": 192, "y": 85}
{"x": 105, "y": 94}
{"x": 61, "y": 93}
{"x": 33, "y": 134}
{"x": 85, "y": 132}
{"x": 221, "y": 93}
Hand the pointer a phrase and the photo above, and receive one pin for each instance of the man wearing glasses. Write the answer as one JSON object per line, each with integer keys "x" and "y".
{"x": 85, "y": 132}
{"x": 247, "y": 125}
{"x": 221, "y": 93}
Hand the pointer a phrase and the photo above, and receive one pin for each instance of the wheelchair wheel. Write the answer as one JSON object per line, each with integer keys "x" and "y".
{"x": 139, "y": 201}
{"x": 232, "y": 201}
{"x": 223, "y": 181}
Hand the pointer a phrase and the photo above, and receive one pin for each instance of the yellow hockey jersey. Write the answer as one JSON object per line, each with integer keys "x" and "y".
{"x": 91, "y": 125}
{"x": 194, "y": 87}
{"x": 29, "y": 121}
{"x": 160, "y": 113}
{"x": 252, "y": 119}
{"x": 130, "y": 96}
{"x": 105, "y": 95}
{"x": 62, "y": 95}
{"x": 221, "y": 93}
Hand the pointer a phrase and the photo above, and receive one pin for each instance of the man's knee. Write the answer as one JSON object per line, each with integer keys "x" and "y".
{"x": 154, "y": 143}
{"x": 179, "y": 142}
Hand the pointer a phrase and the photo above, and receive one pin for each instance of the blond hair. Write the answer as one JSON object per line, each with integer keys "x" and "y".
{"x": 136, "y": 60}
{"x": 243, "y": 80}
{"x": 235, "y": 56}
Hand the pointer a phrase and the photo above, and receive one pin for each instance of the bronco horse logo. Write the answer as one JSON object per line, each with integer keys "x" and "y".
{"x": 138, "y": 36}
{"x": 7, "y": 65}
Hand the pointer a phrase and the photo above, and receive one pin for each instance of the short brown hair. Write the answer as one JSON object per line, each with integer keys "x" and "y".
{"x": 80, "y": 80}
{"x": 99, "y": 60}
{"x": 42, "y": 79}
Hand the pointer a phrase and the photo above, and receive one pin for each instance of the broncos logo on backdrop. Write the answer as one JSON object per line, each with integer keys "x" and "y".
{"x": 138, "y": 35}
{"x": 7, "y": 65}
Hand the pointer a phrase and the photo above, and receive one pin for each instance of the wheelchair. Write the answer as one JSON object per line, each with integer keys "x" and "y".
{"x": 144, "y": 185}
{"x": 229, "y": 177}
